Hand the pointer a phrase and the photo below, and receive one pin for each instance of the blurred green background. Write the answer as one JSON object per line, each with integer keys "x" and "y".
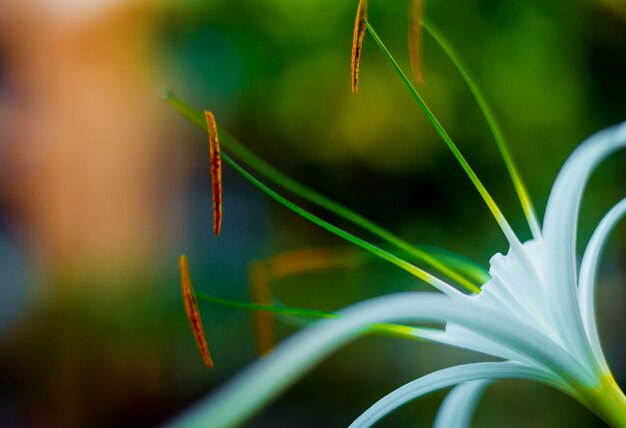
{"x": 102, "y": 186}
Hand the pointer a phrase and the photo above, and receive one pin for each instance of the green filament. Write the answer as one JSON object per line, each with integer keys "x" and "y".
{"x": 518, "y": 183}
{"x": 403, "y": 264}
{"x": 497, "y": 214}
{"x": 396, "y": 330}
{"x": 450, "y": 268}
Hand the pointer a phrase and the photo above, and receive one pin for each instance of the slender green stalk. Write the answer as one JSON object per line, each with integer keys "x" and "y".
{"x": 462, "y": 264}
{"x": 306, "y": 193}
{"x": 497, "y": 214}
{"x": 520, "y": 187}
{"x": 284, "y": 310}
{"x": 470, "y": 268}
{"x": 396, "y": 330}
{"x": 403, "y": 264}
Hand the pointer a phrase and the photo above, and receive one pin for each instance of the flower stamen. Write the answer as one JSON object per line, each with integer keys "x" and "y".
{"x": 357, "y": 43}
{"x": 216, "y": 171}
{"x": 193, "y": 313}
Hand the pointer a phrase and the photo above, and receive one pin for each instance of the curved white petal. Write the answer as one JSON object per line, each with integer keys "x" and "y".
{"x": 458, "y": 336}
{"x": 461, "y": 337}
{"x": 559, "y": 233}
{"x": 458, "y": 407}
{"x": 447, "y": 377}
{"x": 588, "y": 271}
{"x": 266, "y": 378}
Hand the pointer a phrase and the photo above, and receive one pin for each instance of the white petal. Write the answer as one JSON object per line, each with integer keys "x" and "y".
{"x": 457, "y": 409}
{"x": 462, "y": 337}
{"x": 588, "y": 271}
{"x": 560, "y": 233}
{"x": 447, "y": 377}
{"x": 262, "y": 381}
{"x": 516, "y": 284}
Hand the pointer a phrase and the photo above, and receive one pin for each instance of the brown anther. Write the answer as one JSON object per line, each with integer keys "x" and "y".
{"x": 357, "y": 43}
{"x": 191, "y": 307}
{"x": 216, "y": 171}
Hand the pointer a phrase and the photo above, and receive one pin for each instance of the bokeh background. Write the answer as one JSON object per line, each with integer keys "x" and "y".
{"x": 102, "y": 186}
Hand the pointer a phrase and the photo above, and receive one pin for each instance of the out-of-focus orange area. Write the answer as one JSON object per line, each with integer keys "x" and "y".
{"x": 102, "y": 187}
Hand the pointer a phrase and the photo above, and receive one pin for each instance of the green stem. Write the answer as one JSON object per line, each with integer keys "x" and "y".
{"x": 607, "y": 401}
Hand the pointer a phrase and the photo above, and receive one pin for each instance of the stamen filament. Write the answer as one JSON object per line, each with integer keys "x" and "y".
{"x": 518, "y": 183}
{"x": 271, "y": 173}
{"x": 396, "y": 330}
{"x": 497, "y": 214}
{"x": 300, "y": 262}
{"x": 403, "y": 264}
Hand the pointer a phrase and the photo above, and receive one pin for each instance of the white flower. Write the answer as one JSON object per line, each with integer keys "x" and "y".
{"x": 536, "y": 313}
